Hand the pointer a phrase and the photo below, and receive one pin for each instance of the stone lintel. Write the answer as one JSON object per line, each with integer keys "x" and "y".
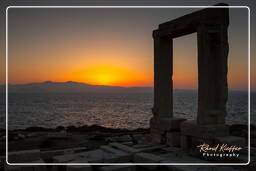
{"x": 188, "y": 24}
{"x": 189, "y": 21}
{"x": 175, "y": 33}
{"x": 191, "y": 128}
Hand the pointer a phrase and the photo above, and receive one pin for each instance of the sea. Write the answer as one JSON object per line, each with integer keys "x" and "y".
{"x": 115, "y": 110}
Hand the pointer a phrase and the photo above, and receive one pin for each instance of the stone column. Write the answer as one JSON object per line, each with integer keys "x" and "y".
{"x": 163, "y": 54}
{"x": 212, "y": 73}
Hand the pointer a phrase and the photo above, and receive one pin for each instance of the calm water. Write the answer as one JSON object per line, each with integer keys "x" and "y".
{"x": 110, "y": 110}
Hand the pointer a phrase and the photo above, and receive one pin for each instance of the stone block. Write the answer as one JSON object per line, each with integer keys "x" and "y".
{"x": 170, "y": 124}
{"x": 122, "y": 156}
{"x": 182, "y": 158}
{"x": 139, "y": 146}
{"x": 124, "y": 148}
{"x": 68, "y": 151}
{"x": 118, "y": 168}
{"x": 190, "y": 144}
{"x": 156, "y": 131}
{"x": 191, "y": 128}
{"x": 173, "y": 139}
{"x": 195, "y": 141}
{"x": 129, "y": 143}
{"x": 124, "y": 138}
{"x": 79, "y": 149}
{"x": 46, "y": 155}
{"x": 138, "y": 136}
{"x": 231, "y": 141}
{"x": 166, "y": 124}
{"x": 65, "y": 158}
{"x": 184, "y": 142}
{"x": 156, "y": 136}
{"x": 100, "y": 156}
{"x": 80, "y": 160}
{"x": 111, "y": 158}
{"x": 112, "y": 150}
{"x": 152, "y": 148}
{"x": 173, "y": 150}
{"x": 61, "y": 134}
{"x": 153, "y": 123}
{"x": 146, "y": 158}
{"x": 23, "y": 156}
{"x": 194, "y": 145}
{"x": 94, "y": 156}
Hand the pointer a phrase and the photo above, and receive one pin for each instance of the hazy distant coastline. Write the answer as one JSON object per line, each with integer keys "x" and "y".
{"x": 77, "y": 87}
{"x": 71, "y": 87}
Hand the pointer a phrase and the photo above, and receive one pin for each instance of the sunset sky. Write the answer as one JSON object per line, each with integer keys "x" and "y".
{"x": 109, "y": 47}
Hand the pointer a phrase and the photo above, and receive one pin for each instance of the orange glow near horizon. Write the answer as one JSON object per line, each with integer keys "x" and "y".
{"x": 108, "y": 75}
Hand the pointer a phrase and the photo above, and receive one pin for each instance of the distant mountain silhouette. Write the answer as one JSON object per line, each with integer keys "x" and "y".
{"x": 71, "y": 87}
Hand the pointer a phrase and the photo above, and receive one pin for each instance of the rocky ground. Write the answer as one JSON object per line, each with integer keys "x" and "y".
{"x": 71, "y": 144}
{"x": 90, "y": 137}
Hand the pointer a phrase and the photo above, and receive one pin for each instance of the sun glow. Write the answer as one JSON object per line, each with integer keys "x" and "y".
{"x": 104, "y": 78}
{"x": 107, "y": 75}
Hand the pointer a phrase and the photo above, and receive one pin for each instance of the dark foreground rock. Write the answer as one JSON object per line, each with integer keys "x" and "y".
{"x": 96, "y": 144}
{"x": 60, "y": 137}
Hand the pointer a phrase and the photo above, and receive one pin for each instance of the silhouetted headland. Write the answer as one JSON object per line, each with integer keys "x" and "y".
{"x": 71, "y": 87}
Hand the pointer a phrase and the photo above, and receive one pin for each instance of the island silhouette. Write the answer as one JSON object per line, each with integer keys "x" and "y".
{"x": 71, "y": 87}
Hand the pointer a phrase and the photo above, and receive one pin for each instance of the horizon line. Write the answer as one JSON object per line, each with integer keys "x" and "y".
{"x": 70, "y": 81}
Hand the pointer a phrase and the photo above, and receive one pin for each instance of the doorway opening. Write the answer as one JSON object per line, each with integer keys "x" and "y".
{"x": 185, "y": 77}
